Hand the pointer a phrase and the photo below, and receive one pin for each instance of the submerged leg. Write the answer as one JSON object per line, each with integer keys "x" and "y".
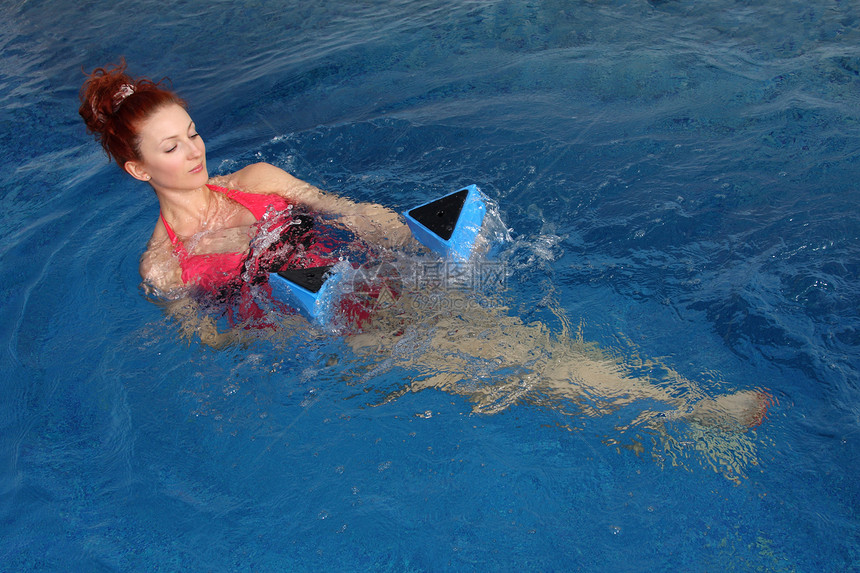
{"x": 496, "y": 360}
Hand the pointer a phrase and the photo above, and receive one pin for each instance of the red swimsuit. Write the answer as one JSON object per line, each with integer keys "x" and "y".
{"x": 216, "y": 269}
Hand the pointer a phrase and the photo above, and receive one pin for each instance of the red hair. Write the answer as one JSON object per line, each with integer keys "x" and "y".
{"x": 114, "y": 105}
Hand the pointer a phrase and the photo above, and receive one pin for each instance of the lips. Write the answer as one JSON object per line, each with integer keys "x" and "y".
{"x": 197, "y": 169}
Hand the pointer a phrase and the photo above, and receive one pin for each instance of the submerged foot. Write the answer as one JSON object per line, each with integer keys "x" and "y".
{"x": 746, "y": 409}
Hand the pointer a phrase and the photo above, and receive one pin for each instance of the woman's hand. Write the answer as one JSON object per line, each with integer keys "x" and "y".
{"x": 193, "y": 324}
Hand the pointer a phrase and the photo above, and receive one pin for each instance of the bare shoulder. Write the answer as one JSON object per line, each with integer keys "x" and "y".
{"x": 265, "y": 178}
{"x": 261, "y": 178}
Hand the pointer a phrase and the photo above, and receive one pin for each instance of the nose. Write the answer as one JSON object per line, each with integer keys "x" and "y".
{"x": 196, "y": 149}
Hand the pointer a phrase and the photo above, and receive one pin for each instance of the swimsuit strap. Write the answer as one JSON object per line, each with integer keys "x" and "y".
{"x": 256, "y": 203}
{"x": 174, "y": 240}
{"x": 167, "y": 228}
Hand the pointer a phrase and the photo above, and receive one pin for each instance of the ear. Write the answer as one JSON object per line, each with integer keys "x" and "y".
{"x": 135, "y": 169}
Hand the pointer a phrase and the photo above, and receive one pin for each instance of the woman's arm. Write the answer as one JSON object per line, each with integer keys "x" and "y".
{"x": 159, "y": 268}
{"x": 162, "y": 276}
{"x": 372, "y": 222}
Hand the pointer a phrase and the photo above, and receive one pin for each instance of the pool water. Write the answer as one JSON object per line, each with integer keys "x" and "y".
{"x": 680, "y": 178}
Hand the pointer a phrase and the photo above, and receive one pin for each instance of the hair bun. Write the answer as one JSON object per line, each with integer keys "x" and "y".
{"x": 102, "y": 93}
{"x": 113, "y": 105}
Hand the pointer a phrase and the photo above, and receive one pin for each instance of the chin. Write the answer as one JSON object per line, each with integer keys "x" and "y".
{"x": 201, "y": 178}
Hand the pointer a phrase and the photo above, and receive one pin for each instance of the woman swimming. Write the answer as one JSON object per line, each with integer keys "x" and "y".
{"x": 203, "y": 231}
{"x": 202, "y": 238}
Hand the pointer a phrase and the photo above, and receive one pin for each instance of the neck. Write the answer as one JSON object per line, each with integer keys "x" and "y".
{"x": 186, "y": 211}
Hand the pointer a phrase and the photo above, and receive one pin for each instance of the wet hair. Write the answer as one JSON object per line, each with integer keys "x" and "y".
{"x": 113, "y": 106}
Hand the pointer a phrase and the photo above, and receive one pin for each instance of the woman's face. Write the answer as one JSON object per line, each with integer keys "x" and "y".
{"x": 173, "y": 156}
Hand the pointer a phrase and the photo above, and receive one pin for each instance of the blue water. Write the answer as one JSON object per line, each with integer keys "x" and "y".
{"x": 681, "y": 179}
